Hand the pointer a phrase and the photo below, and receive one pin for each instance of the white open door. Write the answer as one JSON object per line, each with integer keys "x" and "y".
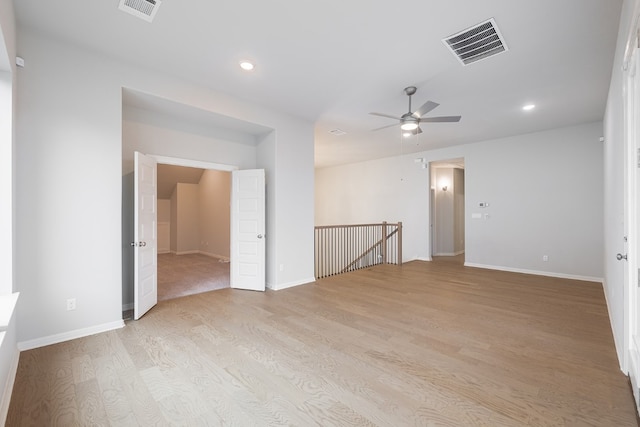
{"x": 248, "y": 230}
{"x": 632, "y": 211}
{"x": 145, "y": 243}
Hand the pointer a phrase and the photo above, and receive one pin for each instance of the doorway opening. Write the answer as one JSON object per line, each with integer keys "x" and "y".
{"x": 193, "y": 230}
{"x": 447, "y": 210}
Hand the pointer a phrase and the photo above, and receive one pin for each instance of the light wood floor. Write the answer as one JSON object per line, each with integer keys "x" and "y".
{"x": 423, "y": 344}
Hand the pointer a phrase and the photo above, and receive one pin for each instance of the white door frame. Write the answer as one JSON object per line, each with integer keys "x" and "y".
{"x": 176, "y": 161}
{"x": 631, "y": 66}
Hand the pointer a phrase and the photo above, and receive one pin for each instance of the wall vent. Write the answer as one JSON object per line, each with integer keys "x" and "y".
{"x": 476, "y": 43}
{"x": 143, "y": 9}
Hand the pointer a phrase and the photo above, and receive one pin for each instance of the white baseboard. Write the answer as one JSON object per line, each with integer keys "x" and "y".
{"x": 71, "y": 335}
{"x": 290, "y": 284}
{"x": 209, "y": 254}
{"x": 633, "y": 377}
{"x": 163, "y": 251}
{"x": 621, "y": 352}
{"x": 187, "y": 252}
{"x": 8, "y": 388}
{"x": 536, "y": 272}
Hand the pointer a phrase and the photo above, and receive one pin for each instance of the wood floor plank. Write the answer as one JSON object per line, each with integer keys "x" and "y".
{"x": 90, "y": 406}
{"x": 425, "y": 344}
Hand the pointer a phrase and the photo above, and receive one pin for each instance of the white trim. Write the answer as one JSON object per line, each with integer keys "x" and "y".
{"x": 634, "y": 353}
{"x": 192, "y": 163}
{"x": 221, "y": 257}
{"x": 632, "y": 37}
{"x": 187, "y": 252}
{"x": 536, "y": 272}
{"x": 71, "y": 335}
{"x": 449, "y": 253}
{"x": 291, "y": 284}
{"x": 8, "y": 387}
{"x": 609, "y": 310}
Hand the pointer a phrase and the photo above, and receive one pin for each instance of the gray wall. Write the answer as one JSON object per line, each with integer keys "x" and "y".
{"x": 545, "y": 192}
{"x": 69, "y": 161}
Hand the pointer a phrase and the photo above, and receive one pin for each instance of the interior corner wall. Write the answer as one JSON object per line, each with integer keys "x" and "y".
{"x": 458, "y": 211}
{"x": 173, "y": 233}
{"x": 266, "y": 160}
{"x": 214, "y": 213}
{"x": 69, "y": 154}
{"x": 163, "y": 226}
{"x": 187, "y": 219}
{"x": 6, "y": 182}
{"x": 8, "y": 96}
{"x": 543, "y": 201}
{"x": 7, "y": 144}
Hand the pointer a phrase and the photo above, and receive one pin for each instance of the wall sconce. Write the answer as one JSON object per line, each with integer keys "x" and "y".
{"x": 444, "y": 188}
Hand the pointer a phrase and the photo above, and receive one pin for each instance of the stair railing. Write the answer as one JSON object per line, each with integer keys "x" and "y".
{"x": 343, "y": 248}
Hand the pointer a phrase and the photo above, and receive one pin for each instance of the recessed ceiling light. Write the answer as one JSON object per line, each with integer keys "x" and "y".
{"x": 247, "y": 65}
{"x": 529, "y": 107}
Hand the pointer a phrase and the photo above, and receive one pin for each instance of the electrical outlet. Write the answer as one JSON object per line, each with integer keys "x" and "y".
{"x": 545, "y": 258}
{"x": 71, "y": 304}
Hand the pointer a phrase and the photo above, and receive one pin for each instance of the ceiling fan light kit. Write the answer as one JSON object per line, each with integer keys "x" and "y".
{"x": 410, "y": 121}
{"x": 409, "y": 125}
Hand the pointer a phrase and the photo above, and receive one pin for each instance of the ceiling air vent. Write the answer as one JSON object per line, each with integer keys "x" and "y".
{"x": 476, "y": 43}
{"x": 143, "y": 9}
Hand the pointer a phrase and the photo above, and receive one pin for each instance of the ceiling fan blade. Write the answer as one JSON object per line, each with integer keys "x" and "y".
{"x": 384, "y": 127}
{"x": 442, "y": 119}
{"x": 386, "y": 115}
{"x": 426, "y": 108}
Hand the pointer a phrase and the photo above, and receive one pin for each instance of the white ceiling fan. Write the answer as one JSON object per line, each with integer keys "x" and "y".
{"x": 410, "y": 121}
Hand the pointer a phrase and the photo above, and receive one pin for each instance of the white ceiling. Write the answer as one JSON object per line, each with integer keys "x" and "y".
{"x": 334, "y": 61}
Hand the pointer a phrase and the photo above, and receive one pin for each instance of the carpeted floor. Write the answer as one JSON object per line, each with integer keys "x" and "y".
{"x": 181, "y": 275}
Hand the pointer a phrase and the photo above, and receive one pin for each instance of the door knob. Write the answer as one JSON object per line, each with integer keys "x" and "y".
{"x": 259, "y": 236}
{"x": 621, "y": 257}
